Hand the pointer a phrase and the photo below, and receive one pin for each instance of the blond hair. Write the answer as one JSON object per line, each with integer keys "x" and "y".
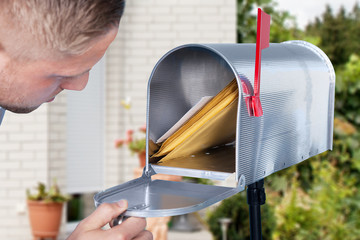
{"x": 62, "y": 26}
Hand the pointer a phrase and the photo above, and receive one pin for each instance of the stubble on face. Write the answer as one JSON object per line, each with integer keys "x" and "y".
{"x": 15, "y": 109}
{"x": 10, "y": 97}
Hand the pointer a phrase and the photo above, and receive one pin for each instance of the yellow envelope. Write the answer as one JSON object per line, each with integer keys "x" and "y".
{"x": 219, "y": 130}
{"x": 213, "y": 125}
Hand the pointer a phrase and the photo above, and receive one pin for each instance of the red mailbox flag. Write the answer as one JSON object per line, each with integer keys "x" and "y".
{"x": 262, "y": 41}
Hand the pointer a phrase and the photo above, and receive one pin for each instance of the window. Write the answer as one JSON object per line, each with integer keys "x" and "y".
{"x": 85, "y": 134}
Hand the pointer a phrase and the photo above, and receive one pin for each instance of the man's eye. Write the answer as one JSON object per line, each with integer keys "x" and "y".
{"x": 61, "y": 78}
{"x": 58, "y": 78}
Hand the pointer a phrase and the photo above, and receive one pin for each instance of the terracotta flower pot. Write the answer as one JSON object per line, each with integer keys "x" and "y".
{"x": 142, "y": 158}
{"x": 45, "y": 219}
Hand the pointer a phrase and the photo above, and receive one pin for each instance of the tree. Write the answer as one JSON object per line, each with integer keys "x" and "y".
{"x": 283, "y": 25}
{"x": 339, "y": 33}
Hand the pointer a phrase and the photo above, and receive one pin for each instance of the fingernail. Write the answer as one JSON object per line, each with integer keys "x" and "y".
{"x": 122, "y": 203}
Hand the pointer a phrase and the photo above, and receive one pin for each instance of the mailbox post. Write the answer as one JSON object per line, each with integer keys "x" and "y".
{"x": 255, "y": 198}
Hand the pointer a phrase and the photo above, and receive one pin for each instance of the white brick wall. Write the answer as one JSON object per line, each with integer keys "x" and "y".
{"x": 23, "y": 162}
{"x": 56, "y": 153}
{"x": 33, "y": 146}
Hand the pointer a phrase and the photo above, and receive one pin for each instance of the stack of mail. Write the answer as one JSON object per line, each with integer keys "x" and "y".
{"x": 210, "y": 123}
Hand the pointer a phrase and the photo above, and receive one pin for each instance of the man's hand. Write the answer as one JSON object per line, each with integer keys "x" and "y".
{"x": 90, "y": 227}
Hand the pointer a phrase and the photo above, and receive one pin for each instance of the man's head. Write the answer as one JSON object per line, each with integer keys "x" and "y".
{"x": 47, "y": 46}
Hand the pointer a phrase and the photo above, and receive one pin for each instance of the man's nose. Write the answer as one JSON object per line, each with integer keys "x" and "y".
{"x": 76, "y": 84}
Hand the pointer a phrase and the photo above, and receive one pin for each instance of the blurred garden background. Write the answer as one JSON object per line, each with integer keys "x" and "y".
{"x": 319, "y": 198}
{"x": 72, "y": 139}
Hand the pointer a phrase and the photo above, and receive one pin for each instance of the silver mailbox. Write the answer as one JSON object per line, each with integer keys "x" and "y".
{"x": 297, "y": 97}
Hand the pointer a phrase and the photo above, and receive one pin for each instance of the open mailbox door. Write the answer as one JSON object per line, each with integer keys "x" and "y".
{"x": 297, "y": 98}
{"x": 158, "y": 198}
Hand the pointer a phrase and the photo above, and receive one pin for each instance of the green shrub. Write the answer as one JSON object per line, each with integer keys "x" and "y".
{"x": 53, "y": 195}
{"x": 236, "y": 208}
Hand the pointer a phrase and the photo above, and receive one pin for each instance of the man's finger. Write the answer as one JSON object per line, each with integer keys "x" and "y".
{"x": 104, "y": 214}
{"x": 144, "y": 235}
{"x": 129, "y": 228}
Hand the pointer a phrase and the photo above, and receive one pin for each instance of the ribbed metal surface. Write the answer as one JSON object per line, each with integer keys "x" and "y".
{"x": 159, "y": 198}
{"x": 296, "y": 92}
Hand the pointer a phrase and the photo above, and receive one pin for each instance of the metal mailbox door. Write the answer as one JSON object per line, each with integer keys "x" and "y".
{"x": 159, "y": 198}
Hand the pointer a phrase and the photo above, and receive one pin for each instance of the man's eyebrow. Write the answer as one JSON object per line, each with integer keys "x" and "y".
{"x": 70, "y": 76}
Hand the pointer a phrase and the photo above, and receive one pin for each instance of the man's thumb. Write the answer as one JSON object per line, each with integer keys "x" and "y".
{"x": 104, "y": 214}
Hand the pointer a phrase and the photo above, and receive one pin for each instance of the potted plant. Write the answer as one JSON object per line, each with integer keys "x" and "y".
{"x": 45, "y": 210}
{"x": 136, "y": 143}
